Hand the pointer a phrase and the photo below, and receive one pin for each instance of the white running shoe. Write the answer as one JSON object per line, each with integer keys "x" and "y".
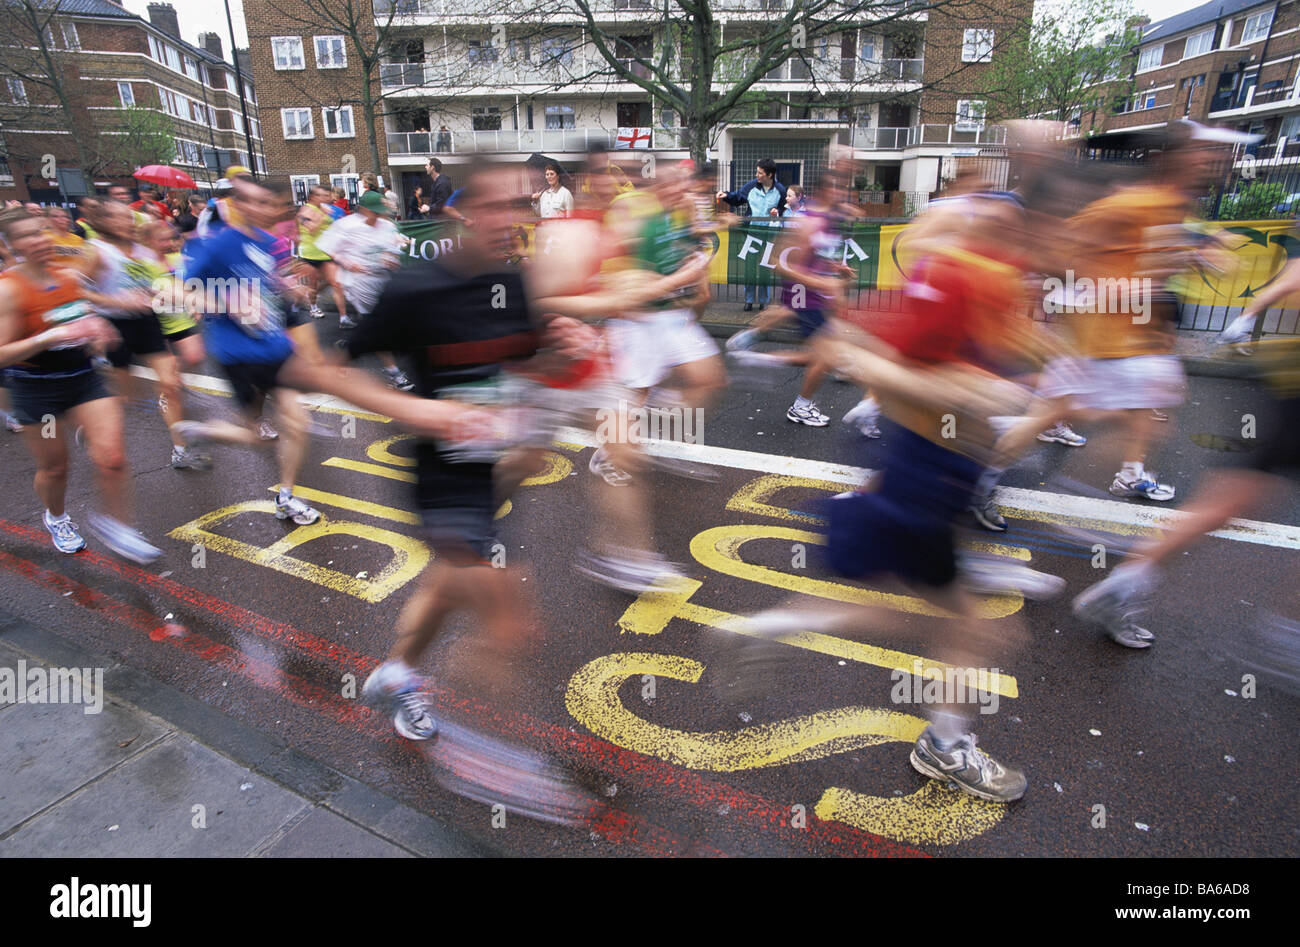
{"x": 347, "y": 322}
{"x": 317, "y": 312}
{"x": 302, "y": 514}
{"x": 187, "y": 458}
{"x": 995, "y": 575}
{"x": 807, "y": 414}
{"x": 635, "y": 573}
{"x": 13, "y": 424}
{"x": 122, "y": 539}
{"x": 390, "y": 686}
{"x": 265, "y": 431}
{"x": 1061, "y": 434}
{"x": 1115, "y": 600}
{"x": 1144, "y": 486}
{"x": 64, "y": 533}
{"x": 601, "y": 466}
{"x": 865, "y": 416}
{"x": 742, "y": 340}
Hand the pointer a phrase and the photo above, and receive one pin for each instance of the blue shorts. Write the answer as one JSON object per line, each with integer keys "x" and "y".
{"x": 905, "y": 526}
{"x": 810, "y": 321}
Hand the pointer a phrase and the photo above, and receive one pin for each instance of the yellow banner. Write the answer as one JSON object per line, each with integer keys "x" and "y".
{"x": 1260, "y": 248}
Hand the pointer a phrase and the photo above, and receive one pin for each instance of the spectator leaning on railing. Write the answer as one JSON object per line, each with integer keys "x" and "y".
{"x": 765, "y": 197}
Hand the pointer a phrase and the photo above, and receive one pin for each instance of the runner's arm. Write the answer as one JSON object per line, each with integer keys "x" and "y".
{"x": 14, "y": 348}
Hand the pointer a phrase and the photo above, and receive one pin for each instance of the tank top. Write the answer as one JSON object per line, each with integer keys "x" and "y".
{"x": 42, "y": 307}
{"x": 825, "y": 250}
{"x": 119, "y": 273}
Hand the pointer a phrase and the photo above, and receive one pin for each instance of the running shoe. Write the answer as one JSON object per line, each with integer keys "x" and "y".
{"x": 13, "y": 424}
{"x": 743, "y": 340}
{"x": 1158, "y": 415}
{"x": 965, "y": 764}
{"x": 1061, "y": 434}
{"x": 865, "y": 416}
{"x": 985, "y": 511}
{"x": 64, "y": 533}
{"x": 192, "y": 433}
{"x": 347, "y": 322}
{"x": 317, "y": 312}
{"x": 187, "y": 458}
{"x": 162, "y": 403}
{"x": 400, "y": 381}
{"x": 757, "y": 359}
{"x": 633, "y": 573}
{"x": 398, "y": 691}
{"x": 996, "y": 575}
{"x": 302, "y": 514}
{"x": 600, "y": 465}
{"x": 122, "y": 539}
{"x": 1145, "y": 486}
{"x": 807, "y": 414}
{"x": 265, "y": 431}
{"x": 1116, "y": 600}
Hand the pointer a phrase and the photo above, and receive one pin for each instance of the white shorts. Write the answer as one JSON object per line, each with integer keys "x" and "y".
{"x": 542, "y": 410}
{"x": 646, "y": 350}
{"x": 1117, "y": 384}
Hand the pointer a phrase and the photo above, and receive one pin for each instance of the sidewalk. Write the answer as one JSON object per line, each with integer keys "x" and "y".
{"x": 157, "y": 774}
{"x": 1196, "y": 348}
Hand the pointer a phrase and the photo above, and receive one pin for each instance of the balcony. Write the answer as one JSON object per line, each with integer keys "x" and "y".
{"x": 519, "y": 141}
{"x": 882, "y": 139}
{"x": 401, "y": 75}
{"x": 959, "y": 134}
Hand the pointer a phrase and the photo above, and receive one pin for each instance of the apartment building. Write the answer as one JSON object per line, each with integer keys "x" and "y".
{"x": 112, "y": 60}
{"x": 1234, "y": 63}
{"x": 456, "y": 80}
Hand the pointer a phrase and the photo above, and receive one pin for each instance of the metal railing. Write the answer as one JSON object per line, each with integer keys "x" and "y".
{"x": 882, "y": 139}
{"x": 523, "y": 140}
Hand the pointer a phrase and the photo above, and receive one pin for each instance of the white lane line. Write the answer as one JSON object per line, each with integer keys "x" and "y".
{"x": 1041, "y": 505}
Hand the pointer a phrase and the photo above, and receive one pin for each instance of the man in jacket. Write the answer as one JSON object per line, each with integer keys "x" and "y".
{"x": 765, "y": 198}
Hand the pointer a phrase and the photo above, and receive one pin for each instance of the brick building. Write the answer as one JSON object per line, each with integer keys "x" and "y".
{"x": 901, "y": 86}
{"x": 112, "y": 60}
{"x": 1234, "y": 63}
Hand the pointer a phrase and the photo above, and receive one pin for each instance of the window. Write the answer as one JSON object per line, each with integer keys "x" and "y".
{"x": 154, "y": 51}
{"x": 481, "y": 52}
{"x": 977, "y": 46}
{"x": 302, "y": 185}
{"x": 338, "y": 122}
{"x": 330, "y": 52}
{"x": 173, "y": 57}
{"x": 1150, "y": 58}
{"x": 1199, "y": 44}
{"x": 555, "y": 49}
{"x": 173, "y": 104}
{"x": 248, "y": 93}
{"x": 125, "y": 94}
{"x": 559, "y": 116}
{"x": 1147, "y": 101}
{"x": 970, "y": 115}
{"x": 1290, "y": 129}
{"x": 212, "y": 116}
{"x": 487, "y": 118}
{"x": 197, "y": 112}
{"x": 297, "y": 123}
{"x": 191, "y": 67}
{"x": 287, "y": 51}
{"x": 17, "y": 91}
{"x": 1257, "y": 26}
{"x": 237, "y": 122}
{"x": 230, "y": 82}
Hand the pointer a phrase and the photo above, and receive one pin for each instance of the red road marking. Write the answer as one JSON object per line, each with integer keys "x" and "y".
{"x": 749, "y": 808}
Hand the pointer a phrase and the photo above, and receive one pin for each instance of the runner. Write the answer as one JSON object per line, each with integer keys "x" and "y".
{"x": 244, "y": 331}
{"x": 314, "y": 218}
{"x": 47, "y": 332}
{"x": 364, "y": 247}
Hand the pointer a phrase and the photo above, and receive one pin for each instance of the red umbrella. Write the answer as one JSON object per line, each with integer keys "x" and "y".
{"x": 165, "y": 175}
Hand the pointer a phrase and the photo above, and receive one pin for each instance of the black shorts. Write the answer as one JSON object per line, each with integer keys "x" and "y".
{"x": 181, "y": 334}
{"x": 318, "y": 264}
{"x": 252, "y": 380}
{"x": 294, "y": 316}
{"x": 457, "y": 506}
{"x": 1279, "y": 447}
{"x": 33, "y": 397}
{"x": 141, "y": 335}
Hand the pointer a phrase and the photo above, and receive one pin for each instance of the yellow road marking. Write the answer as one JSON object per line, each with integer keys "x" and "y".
{"x": 360, "y": 466}
{"x": 933, "y": 815}
{"x": 379, "y": 450}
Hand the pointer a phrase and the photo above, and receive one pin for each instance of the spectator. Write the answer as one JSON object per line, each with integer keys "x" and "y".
{"x": 443, "y": 141}
{"x": 440, "y": 203}
{"x": 765, "y": 197}
{"x": 555, "y": 200}
{"x": 187, "y": 221}
{"x": 341, "y": 200}
{"x": 149, "y": 205}
{"x": 419, "y": 209}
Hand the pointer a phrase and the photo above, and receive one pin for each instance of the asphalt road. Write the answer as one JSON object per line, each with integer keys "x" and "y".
{"x": 679, "y": 741}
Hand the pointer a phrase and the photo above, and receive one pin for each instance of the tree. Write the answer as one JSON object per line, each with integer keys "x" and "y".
{"x": 1076, "y": 60}
{"x": 42, "y": 76}
{"x": 142, "y": 136}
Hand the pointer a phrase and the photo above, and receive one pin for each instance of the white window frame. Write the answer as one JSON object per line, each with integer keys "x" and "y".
{"x": 327, "y": 63}
{"x": 288, "y": 61}
{"x": 325, "y": 114}
{"x": 970, "y": 124}
{"x": 1259, "y": 25}
{"x": 1190, "y": 52}
{"x": 191, "y": 67}
{"x": 196, "y": 113}
{"x": 1150, "y": 58}
{"x": 284, "y": 124}
{"x": 977, "y": 45}
{"x": 155, "y": 52}
{"x": 561, "y": 110}
{"x": 309, "y": 181}
{"x": 17, "y": 91}
{"x": 126, "y": 95}
{"x": 173, "y": 57}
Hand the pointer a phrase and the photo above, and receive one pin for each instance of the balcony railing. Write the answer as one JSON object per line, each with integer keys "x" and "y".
{"x": 959, "y": 134}
{"x": 831, "y": 70}
{"x": 545, "y": 140}
{"x": 882, "y": 139}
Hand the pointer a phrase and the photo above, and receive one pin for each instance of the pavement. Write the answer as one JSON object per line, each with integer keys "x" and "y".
{"x": 231, "y": 665}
